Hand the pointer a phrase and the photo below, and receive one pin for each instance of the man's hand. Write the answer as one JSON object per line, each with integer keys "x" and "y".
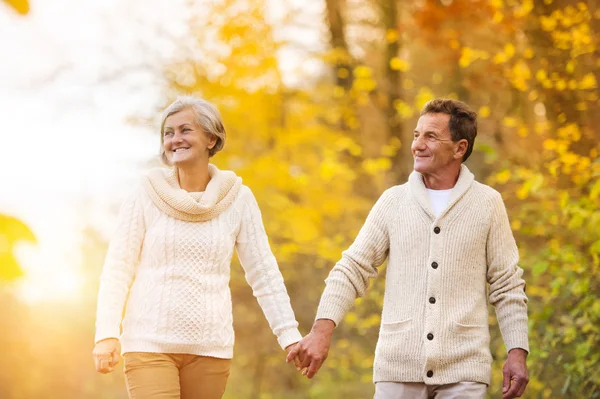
{"x": 106, "y": 355}
{"x": 312, "y": 350}
{"x": 515, "y": 374}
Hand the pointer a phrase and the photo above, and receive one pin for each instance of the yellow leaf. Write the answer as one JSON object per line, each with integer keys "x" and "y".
{"x": 484, "y": 111}
{"x": 509, "y": 49}
{"x": 21, "y": 6}
{"x": 562, "y": 117}
{"x": 376, "y": 166}
{"x": 588, "y": 82}
{"x": 528, "y": 53}
{"x": 522, "y": 131}
{"x": 425, "y": 94}
{"x": 509, "y": 121}
{"x": 398, "y": 64}
{"x": 516, "y": 225}
{"x": 362, "y": 71}
{"x": 404, "y": 110}
{"x": 498, "y": 17}
{"x": 391, "y": 35}
{"x": 503, "y": 176}
{"x": 549, "y": 144}
{"x": 343, "y": 73}
{"x": 523, "y": 192}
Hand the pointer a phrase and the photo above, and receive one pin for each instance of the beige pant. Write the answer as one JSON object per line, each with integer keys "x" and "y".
{"x": 175, "y": 376}
{"x": 418, "y": 390}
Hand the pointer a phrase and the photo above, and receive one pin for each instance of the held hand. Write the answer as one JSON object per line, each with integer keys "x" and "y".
{"x": 515, "y": 374}
{"x": 106, "y": 355}
{"x": 296, "y": 359}
{"x": 313, "y": 349}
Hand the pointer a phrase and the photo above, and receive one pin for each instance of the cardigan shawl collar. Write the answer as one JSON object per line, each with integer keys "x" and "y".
{"x": 162, "y": 186}
{"x": 419, "y": 191}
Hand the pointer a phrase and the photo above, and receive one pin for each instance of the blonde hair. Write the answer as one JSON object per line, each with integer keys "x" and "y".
{"x": 207, "y": 117}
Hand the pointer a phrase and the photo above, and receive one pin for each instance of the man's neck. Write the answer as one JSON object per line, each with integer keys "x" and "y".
{"x": 445, "y": 180}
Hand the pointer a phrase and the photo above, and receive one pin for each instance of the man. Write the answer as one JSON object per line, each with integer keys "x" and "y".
{"x": 447, "y": 237}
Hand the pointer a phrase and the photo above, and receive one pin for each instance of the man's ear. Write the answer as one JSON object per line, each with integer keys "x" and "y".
{"x": 460, "y": 148}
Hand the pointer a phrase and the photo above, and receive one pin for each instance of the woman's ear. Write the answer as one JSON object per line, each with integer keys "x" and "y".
{"x": 212, "y": 141}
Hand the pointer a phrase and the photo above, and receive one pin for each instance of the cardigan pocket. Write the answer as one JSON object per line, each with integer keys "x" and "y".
{"x": 396, "y": 326}
{"x": 468, "y": 329}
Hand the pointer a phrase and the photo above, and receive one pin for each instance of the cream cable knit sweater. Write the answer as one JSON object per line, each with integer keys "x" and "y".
{"x": 172, "y": 252}
{"x": 434, "y": 326}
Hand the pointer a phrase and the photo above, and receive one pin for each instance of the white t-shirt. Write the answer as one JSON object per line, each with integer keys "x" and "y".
{"x": 439, "y": 200}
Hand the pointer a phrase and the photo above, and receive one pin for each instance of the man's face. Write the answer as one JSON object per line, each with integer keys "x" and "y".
{"x": 432, "y": 148}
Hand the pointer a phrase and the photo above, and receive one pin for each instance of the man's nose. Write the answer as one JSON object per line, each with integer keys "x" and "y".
{"x": 418, "y": 143}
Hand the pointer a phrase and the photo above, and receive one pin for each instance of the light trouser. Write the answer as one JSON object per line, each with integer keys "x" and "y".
{"x": 418, "y": 390}
{"x": 175, "y": 376}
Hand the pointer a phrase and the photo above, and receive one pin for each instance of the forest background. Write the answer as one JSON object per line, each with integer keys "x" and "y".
{"x": 320, "y": 99}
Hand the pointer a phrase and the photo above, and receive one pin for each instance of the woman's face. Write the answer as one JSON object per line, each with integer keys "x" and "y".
{"x": 184, "y": 142}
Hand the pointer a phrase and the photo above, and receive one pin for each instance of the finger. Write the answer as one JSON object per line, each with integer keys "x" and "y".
{"x": 512, "y": 391}
{"x": 522, "y": 388}
{"x": 297, "y": 363}
{"x": 505, "y": 381}
{"x": 105, "y": 366}
{"x": 315, "y": 365}
{"x": 115, "y": 359}
{"x": 293, "y": 353}
{"x": 304, "y": 362}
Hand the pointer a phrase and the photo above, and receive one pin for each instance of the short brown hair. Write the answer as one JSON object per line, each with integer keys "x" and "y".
{"x": 463, "y": 120}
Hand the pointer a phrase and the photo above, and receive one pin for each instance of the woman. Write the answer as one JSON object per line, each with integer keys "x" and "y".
{"x": 173, "y": 247}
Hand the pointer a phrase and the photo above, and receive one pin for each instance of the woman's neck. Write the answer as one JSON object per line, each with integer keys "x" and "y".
{"x": 194, "y": 179}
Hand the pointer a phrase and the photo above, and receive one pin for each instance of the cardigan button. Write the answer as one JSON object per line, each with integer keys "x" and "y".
{"x": 434, "y": 265}
{"x": 430, "y": 374}
{"x": 432, "y": 300}
{"x": 436, "y": 230}
{"x": 430, "y": 336}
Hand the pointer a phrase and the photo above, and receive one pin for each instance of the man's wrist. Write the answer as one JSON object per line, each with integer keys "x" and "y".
{"x": 518, "y": 352}
{"x": 323, "y": 326}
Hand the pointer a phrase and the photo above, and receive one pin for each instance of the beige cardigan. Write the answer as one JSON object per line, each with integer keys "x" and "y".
{"x": 434, "y": 326}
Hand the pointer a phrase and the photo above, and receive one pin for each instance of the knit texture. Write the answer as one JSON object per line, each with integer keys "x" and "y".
{"x": 435, "y": 310}
{"x": 177, "y": 272}
{"x": 162, "y": 185}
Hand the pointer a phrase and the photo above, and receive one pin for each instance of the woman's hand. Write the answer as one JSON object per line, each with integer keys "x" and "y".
{"x": 297, "y": 362}
{"x": 106, "y": 355}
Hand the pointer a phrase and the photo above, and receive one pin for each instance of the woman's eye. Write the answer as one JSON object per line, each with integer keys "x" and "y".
{"x": 168, "y": 133}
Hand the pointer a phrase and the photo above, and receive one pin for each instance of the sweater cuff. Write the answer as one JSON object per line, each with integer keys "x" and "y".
{"x": 328, "y": 310}
{"x": 516, "y": 339}
{"x": 106, "y": 332}
{"x": 289, "y": 337}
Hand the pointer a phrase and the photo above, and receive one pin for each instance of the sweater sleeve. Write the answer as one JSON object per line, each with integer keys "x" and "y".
{"x": 263, "y": 274}
{"x": 507, "y": 287}
{"x": 349, "y": 278}
{"x": 119, "y": 267}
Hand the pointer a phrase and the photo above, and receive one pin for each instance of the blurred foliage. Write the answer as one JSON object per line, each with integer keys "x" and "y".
{"x": 12, "y": 232}
{"x": 318, "y": 153}
{"x": 21, "y": 6}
